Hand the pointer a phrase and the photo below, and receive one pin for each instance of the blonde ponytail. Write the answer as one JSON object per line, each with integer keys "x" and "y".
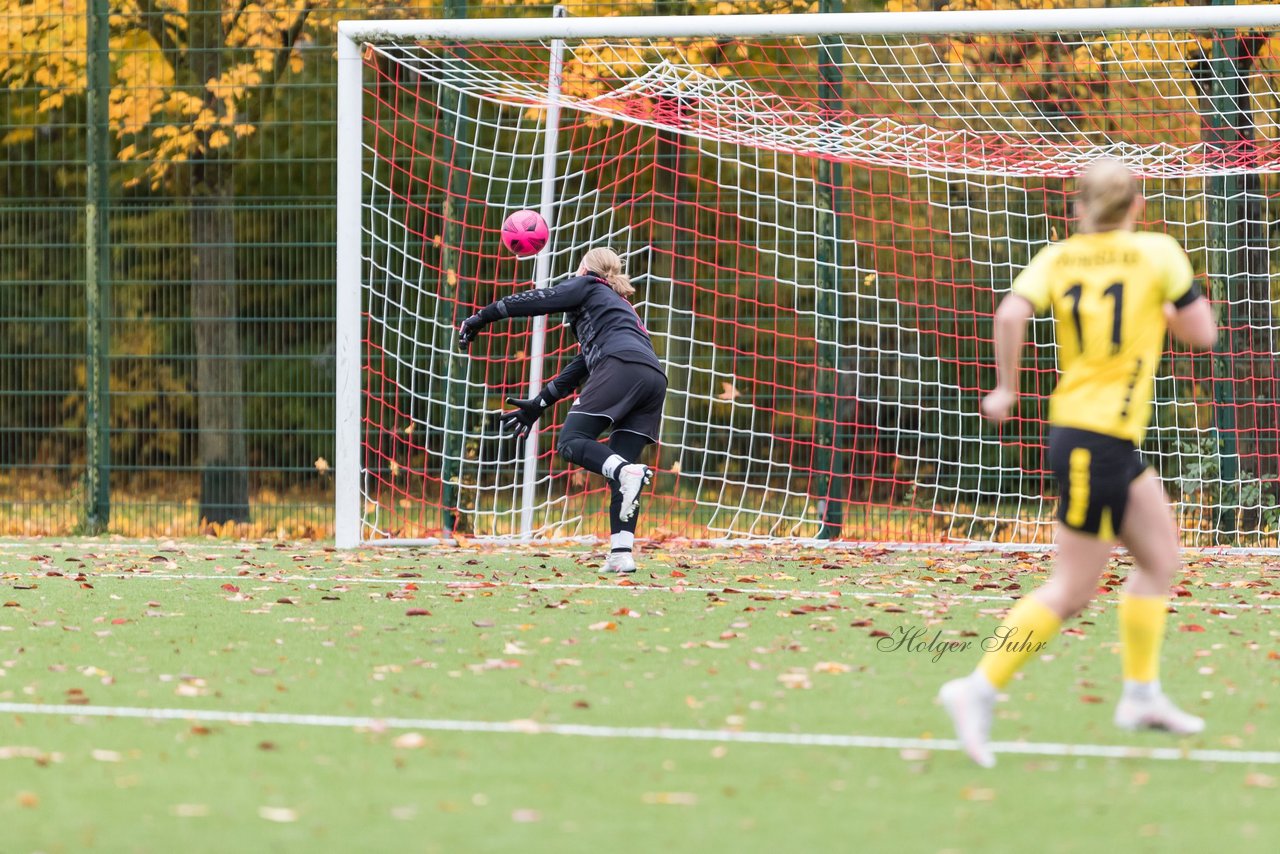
{"x": 606, "y": 264}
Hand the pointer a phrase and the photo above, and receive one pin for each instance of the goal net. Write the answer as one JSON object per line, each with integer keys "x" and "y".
{"x": 820, "y": 214}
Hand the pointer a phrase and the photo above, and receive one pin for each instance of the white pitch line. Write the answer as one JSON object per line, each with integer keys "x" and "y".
{"x": 526, "y": 727}
{"x": 834, "y": 593}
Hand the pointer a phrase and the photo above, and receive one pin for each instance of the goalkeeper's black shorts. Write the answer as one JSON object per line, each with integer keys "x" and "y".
{"x": 629, "y": 394}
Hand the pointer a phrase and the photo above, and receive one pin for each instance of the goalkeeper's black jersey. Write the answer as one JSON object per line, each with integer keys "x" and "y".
{"x": 602, "y": 320}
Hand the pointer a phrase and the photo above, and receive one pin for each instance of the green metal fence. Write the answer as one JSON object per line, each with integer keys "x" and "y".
{"x": 166, "y": 284}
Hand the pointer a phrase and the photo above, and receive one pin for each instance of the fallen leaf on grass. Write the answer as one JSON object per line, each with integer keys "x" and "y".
{"x": 494, "y": 664}
{"x": 282, "y": 815}
{"x": 603, "y": 626}
{"x": 679, "y": 799}
{"x": 189, "y": 810}
{"x": 795, "y": 680}
{"x": 1190, "y": 627}
{"x": 973, "y": 793}
{"x": 830, "y": 667}
{"x": 417, "y": 612}
{"x": 105, "y": 755}
{"x": 409, "y": 741}
{"x": 28, "y": 799}
{"x": 1258, "y": 780}
{"x": 1090, "y": 698}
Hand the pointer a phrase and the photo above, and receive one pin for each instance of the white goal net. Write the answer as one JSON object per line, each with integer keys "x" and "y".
{"x": 820, "y": 214}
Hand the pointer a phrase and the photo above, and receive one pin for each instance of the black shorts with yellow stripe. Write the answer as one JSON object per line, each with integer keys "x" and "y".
{"x": 1094, "y": 472}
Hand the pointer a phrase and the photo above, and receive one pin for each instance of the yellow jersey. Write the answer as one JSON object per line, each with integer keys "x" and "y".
{"x": 1107, "y": 291}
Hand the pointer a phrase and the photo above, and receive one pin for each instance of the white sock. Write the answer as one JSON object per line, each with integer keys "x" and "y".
{"x": 1141, "y": 690}
{"x": 611, "y": 465}
{"x": 622, "y": 541}
{"x": 982, "y": 684}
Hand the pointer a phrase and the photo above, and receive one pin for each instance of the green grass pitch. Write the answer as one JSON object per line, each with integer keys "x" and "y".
{"x": 377, "y": 653}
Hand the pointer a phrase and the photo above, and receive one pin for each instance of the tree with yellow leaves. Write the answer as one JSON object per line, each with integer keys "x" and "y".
{"x": 190, "y": 82}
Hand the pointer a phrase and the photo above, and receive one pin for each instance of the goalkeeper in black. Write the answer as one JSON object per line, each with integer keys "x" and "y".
{"x": 623, "y": 385}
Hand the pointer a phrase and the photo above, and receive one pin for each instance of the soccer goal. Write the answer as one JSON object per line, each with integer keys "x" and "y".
{"x": 820, "y": 213}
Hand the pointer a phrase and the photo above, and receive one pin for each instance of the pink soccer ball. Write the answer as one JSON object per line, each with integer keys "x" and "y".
{"x": 525, "y": 233}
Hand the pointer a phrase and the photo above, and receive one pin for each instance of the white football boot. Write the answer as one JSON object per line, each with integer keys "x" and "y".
{"x": 1155, "y": 712}
{"x": 631, "y": 479}
{"x": 971, "y": 709}
{"x": 620, "y": 562}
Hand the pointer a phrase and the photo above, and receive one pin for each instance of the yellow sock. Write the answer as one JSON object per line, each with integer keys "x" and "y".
{"x": 1026, "y": 630}
{"x": 1142, "y": 621}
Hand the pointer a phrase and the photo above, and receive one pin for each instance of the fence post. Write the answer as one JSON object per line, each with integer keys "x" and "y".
{"x": 829, "y": 461}
{"x": 1224, "y": 210}
{"x": 97, "y": 270}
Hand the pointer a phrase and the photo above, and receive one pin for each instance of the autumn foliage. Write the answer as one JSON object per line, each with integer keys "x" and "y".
{"x": 264, "y": 114}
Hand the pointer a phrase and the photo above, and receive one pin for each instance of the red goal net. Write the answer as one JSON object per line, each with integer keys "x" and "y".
{"x": 819, "y": 230}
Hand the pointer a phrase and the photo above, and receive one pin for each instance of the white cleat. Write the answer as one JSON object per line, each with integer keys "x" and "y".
{"x": 620, "y": 562}
{"x": 631, "y": 479}
{"x": 971, "y": 714}
{"x": 1157, "y": 712}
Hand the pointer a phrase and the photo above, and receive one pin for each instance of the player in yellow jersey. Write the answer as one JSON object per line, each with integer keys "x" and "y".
{"x": 1113, "y": 292}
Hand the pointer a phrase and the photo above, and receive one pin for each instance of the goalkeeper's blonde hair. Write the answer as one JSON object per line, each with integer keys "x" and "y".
{"x": 606, "y": 263}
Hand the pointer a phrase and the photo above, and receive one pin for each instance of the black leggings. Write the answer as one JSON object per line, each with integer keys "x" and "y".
{"x": 579, "y": 444}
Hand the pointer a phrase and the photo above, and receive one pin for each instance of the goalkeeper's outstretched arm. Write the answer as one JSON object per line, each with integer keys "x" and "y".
{"x": 519, "y": 421}
{"x": 560, "y": 298}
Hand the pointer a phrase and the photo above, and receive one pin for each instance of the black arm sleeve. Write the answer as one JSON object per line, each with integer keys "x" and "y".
{"x": 564, "y": 297}
{"x": 1192, "y": 294}
{"x": 569, "y": 378}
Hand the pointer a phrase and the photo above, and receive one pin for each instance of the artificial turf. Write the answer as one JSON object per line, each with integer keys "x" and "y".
{"x": 751, "y": 640}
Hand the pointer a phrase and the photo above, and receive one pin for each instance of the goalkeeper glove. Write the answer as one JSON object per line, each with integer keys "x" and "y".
{"x": 520, "y": 421}
{"x": 468, "y": 331}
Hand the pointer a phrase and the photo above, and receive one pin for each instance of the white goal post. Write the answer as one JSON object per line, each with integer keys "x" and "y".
{"x": 819, "y": 212}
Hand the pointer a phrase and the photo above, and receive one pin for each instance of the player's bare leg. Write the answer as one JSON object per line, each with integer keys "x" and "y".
{"x": 1151, "y": 535}
{"x": 970, "y": 700}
